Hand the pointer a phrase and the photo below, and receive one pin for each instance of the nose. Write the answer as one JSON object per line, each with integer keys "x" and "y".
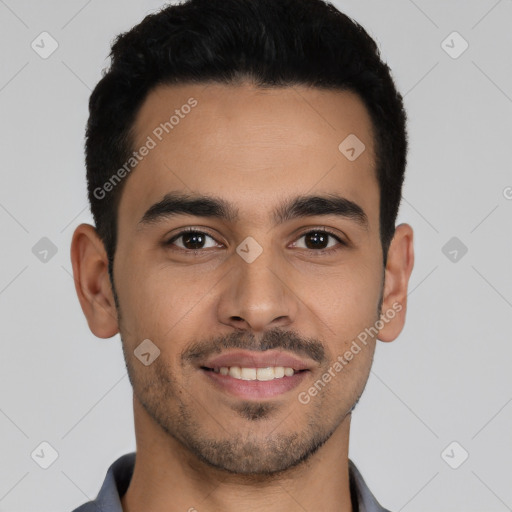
{"x": 257, "y": 296}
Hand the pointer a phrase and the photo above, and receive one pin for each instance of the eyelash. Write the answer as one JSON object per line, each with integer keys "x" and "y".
{"x": 195, "y": 252}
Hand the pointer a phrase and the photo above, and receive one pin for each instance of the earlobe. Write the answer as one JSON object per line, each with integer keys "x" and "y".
{"x": 399, "y": 266}
{"x": 92, "y": 283}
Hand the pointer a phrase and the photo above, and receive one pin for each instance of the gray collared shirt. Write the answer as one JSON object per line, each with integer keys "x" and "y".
{"x": 120, "y": 473}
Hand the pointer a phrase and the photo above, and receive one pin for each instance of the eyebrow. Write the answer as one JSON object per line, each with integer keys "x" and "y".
{"x": 174, "y": 204}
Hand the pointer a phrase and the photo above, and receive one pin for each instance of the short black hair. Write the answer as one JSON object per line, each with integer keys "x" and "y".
{"x": 272, "y": 43}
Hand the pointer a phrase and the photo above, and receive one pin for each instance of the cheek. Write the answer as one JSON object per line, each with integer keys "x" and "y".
{"x": 347, "y": 300}
{"x": 165, "y": 303}
{"x": 349, "y": 311}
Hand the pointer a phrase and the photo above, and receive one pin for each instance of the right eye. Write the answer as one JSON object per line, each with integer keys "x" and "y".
{"x": 191, "y": 240}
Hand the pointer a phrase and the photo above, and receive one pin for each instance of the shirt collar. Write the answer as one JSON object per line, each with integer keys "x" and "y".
{"x": 120, "y": 473}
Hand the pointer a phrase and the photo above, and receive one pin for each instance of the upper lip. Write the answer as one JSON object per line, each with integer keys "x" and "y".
{"x": 251, "y": 359}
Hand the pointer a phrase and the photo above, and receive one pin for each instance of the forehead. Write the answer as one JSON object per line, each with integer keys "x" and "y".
{"x": 250, "y": 145}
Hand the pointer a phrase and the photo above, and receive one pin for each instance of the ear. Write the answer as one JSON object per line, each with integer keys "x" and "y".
{"x": 399, "y": 266}
{"x": 92, "y": 282}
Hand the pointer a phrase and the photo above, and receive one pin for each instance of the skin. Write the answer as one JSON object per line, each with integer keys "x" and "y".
{"x": 197, "y": 446}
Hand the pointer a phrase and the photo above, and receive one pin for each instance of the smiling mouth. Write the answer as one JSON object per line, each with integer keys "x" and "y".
{"x": 259, "y": 374}
{"x": 252, "y": 375}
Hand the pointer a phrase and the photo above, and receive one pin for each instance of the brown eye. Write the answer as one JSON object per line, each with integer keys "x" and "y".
{"x": 319, "y": 240}
{"x": 192, "y": 240}
{"x": 316, "y": 240}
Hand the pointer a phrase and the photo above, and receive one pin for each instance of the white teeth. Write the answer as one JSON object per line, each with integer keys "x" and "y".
{"x": 262, "y": 374}
{"x": 278, "y": 372}
{"x": 265, "y": 373}
{"x": 248, "y": 373}
{"x": 235, "y": 372}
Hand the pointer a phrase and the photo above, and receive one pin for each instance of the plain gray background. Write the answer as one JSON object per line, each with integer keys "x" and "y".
{"x": 446, "y": 379}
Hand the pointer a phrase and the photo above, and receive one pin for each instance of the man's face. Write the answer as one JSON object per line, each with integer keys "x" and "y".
{"x": 255, "y": 289}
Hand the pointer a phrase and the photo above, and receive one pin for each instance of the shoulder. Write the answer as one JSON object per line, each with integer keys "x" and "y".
{"x": 365, "y": 499}
{"x": 114, "y": 486}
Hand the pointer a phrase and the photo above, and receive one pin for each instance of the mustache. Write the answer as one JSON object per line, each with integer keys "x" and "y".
{"x": 273, "y": 339}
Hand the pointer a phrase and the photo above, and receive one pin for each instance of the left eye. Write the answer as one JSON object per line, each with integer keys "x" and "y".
{"x": 319, "y": 240}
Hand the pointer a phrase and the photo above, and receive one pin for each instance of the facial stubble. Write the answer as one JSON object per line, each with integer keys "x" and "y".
{"x": 171, "y": 406}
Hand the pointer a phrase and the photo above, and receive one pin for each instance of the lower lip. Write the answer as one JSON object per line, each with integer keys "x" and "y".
{"x": 255, "y": 389}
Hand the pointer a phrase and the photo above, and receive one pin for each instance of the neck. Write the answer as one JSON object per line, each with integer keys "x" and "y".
{"x": 167, "y": 477}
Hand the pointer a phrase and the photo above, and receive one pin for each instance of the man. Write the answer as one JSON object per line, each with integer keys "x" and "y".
{"x": 245, "y": 160}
